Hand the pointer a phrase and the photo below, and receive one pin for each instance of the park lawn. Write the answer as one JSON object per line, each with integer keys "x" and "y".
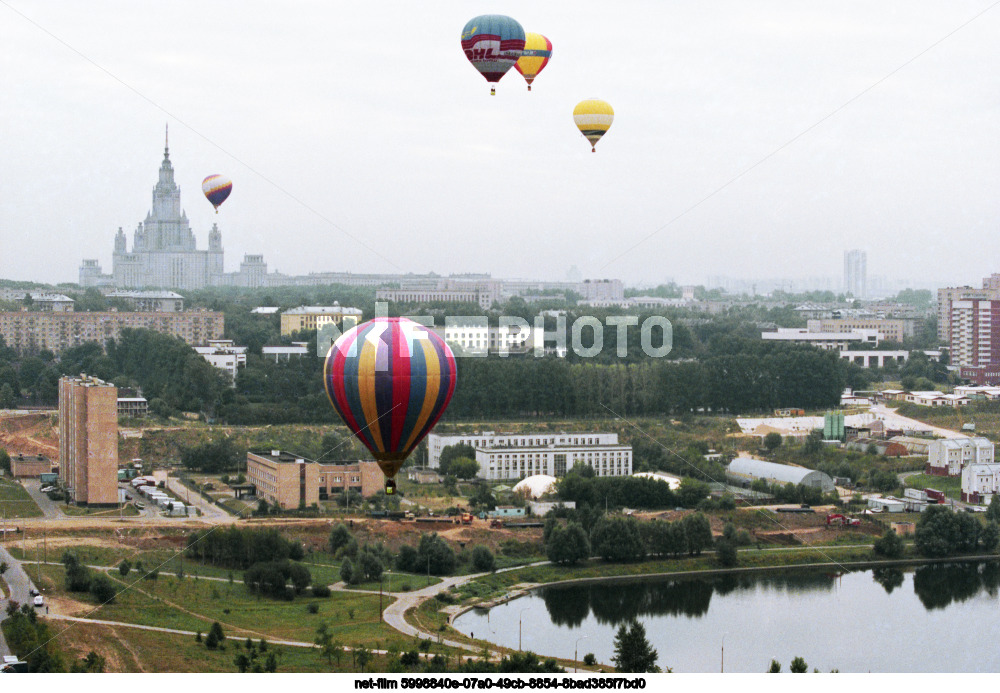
{"x": 397, "y": 582}
{"x": 951, "y": 486}
{"x": 132, "y": 650}
{"x": 79, "y": 511}
{"x": 353, "y": 618}
{"x": 15, "y": 501}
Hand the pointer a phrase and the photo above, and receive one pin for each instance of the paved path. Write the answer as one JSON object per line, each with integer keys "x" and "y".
{"x": 50, "y": 508}
{"x": 20, "y": 590}
{"x": 894, "y": 420}
{"x": 209, "y": 511}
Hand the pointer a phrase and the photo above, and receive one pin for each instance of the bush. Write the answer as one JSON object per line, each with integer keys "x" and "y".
{"x": 102, "y": 589}
{"x": 483, "y": 559}
{"x": 890, "y": 545}
{"x": 313, "y": 608}
{"x": 320, "y": 591}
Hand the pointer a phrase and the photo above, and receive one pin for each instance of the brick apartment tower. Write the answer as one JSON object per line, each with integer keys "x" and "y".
{"x": 88, "y": 439}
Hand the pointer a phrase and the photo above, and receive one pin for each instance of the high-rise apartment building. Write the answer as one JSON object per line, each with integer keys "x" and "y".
{"x": 88, "y": 440}
{"x": 856, "y": 273}
{"x": 975, "y": 332}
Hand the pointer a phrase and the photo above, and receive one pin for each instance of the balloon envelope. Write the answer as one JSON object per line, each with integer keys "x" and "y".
{"x": 390, "y": 379}
{"x": 534, "y": 57}
{"x": 593, "y": 117}
{"x": 217, "y": 189}
{"x": 492, "y": 43}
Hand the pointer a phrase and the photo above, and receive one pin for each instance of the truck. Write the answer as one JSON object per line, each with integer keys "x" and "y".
{"x": 464, "y": 518}
{"x": 837, "y": 519}
{"x": 935, "y": 496}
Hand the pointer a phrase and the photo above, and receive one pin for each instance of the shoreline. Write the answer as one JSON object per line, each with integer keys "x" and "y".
{"x": 715, "y": 572}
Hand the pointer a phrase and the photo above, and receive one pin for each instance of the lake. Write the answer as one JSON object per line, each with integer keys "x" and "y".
{"x": 933, "y": 618}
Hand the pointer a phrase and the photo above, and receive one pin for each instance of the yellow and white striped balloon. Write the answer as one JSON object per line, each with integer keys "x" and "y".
{"x": 594, "y": 118}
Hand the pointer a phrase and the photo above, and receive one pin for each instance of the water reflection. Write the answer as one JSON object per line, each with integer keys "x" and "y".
{"x": 937, "y": 586}
{"x": 615, "y": 603}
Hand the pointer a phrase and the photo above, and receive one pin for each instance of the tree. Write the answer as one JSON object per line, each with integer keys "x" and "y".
{"x": 124, "y": 568}
{"x": 698, "y": 532}
{"x": 483, "y": 559}
{"x": 890, "y": 545}
{"x": 362, "y": 656}
{"x": 568, "y": 545}
{"x": 989, "y": 538}
{"x": 215, "y": 636}
{"x": 4, "y": 460}
{"x": 347, "y": 571}
{"x": 798, "y": 666}
{"x": 617, "y": 539}
{"x": 340, "y": 536}
{"x": 8, "y": 399}
{"x": 432, "y": 551}
{"x": 102, "y": 589}
{"x": 772, "y": 441}
{"x": 463, "y": 468}
{"x": 775, "y": 667}
{"x": 992, "y": 512}
{"x": 725, "y": 552}
{"x": 453, "y": 452}
{"x": 633, "y": 653}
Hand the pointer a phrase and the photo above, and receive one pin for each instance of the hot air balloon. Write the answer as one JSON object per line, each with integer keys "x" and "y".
{"x": 492, "y": 43}
{"x": 216, "y": 189}
{"x": 390, "y": 379}
{"x": 593, "y": 117}
{"x": 534, "y": 57}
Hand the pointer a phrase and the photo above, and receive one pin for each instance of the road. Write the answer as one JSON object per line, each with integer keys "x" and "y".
{"x": 209, "y": 511}
{"x": 894, "y": 420}
{"x": 20, "y": 590}
{"x": 50, "y": 508}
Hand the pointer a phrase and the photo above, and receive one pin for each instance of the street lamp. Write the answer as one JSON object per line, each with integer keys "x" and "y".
{"x": 519, "y": 627}
{"x": 575, "y": 645}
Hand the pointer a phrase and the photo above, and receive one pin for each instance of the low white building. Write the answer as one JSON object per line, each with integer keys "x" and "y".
{"x": 948, "y": 456}
{"x": 672, "y": 481}
{"x": 834, "y": 341}
{"x": 935, "y": 398}
{"x": 490, "y": 439}
{"x": 224, "y": 355}
{"x": 497, "y": 463}
{"x": 284, "y": 352}
{"x": 475, "y": 336}
{"x": 980, "y": 482}
{"x": 888, "y": 504}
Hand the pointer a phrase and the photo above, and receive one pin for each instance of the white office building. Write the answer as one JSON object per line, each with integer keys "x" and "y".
{"x": 496, "y": 463}
{"x": 980, "y": 482}
{"x": 949, "y": 456}
{"x": 490, "y": 439}
{"x": 224, "y": 355}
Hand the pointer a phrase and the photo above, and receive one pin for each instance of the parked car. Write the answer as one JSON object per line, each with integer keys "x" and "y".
{"x": 139, "y": 506}
{"x": 39, "y": 600}
{"x": 46, "y": 489}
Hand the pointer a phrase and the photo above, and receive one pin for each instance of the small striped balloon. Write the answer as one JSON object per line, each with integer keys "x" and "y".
{"x": 390, "y": 379}
{"x": 535, "y": 56}
{"x": 594, "y": 118}
{"x": 217, "y": 189}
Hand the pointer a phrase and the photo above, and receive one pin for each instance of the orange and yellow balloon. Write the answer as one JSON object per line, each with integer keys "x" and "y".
{"x": 594, "y": 118}
{"x": 534, "y": 57}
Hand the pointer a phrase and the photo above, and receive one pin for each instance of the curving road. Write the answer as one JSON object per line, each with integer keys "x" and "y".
{"x": 20, "y": 590}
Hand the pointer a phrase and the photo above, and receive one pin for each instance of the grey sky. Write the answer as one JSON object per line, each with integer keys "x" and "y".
{"x": 370, "y": 114}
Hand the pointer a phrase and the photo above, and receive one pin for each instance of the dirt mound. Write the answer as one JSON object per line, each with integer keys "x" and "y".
{"x": 31, "y": 434}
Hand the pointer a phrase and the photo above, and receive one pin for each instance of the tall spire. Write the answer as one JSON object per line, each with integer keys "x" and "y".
{"x": 166, "y": 142}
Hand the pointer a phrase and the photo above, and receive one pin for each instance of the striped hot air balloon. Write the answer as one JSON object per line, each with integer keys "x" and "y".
{"x": 492, "y": 43}
{"x": 217, "y": 189}
{"x": 390, "y": 379}
{"x": 534, "y": 57}
{"x": 593, "y": 117}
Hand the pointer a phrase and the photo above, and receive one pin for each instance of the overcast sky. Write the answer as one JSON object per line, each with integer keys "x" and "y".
{"x": 370, "y": 116}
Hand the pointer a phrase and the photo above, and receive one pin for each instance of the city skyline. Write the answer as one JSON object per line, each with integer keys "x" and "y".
{"x": 815, "y": 130}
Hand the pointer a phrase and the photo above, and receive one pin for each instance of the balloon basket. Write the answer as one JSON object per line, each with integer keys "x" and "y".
{"x": 390, "y": 487}
{"x": 493, "y": 91}
{"x": 594, "y": 150}
{"x": 529, "y": 87}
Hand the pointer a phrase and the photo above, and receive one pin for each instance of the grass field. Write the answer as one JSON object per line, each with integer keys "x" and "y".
{"x": 951, "y": 486}
{"x": 15, "y": 501}
{"x": 79, "y": 511}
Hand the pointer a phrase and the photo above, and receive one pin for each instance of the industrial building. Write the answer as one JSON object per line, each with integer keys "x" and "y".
{"x": 29, "y": 466}
{"x": 748, "y": 470}
{"x": 88, "y": 440}
{"x": 291, "y": 481}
